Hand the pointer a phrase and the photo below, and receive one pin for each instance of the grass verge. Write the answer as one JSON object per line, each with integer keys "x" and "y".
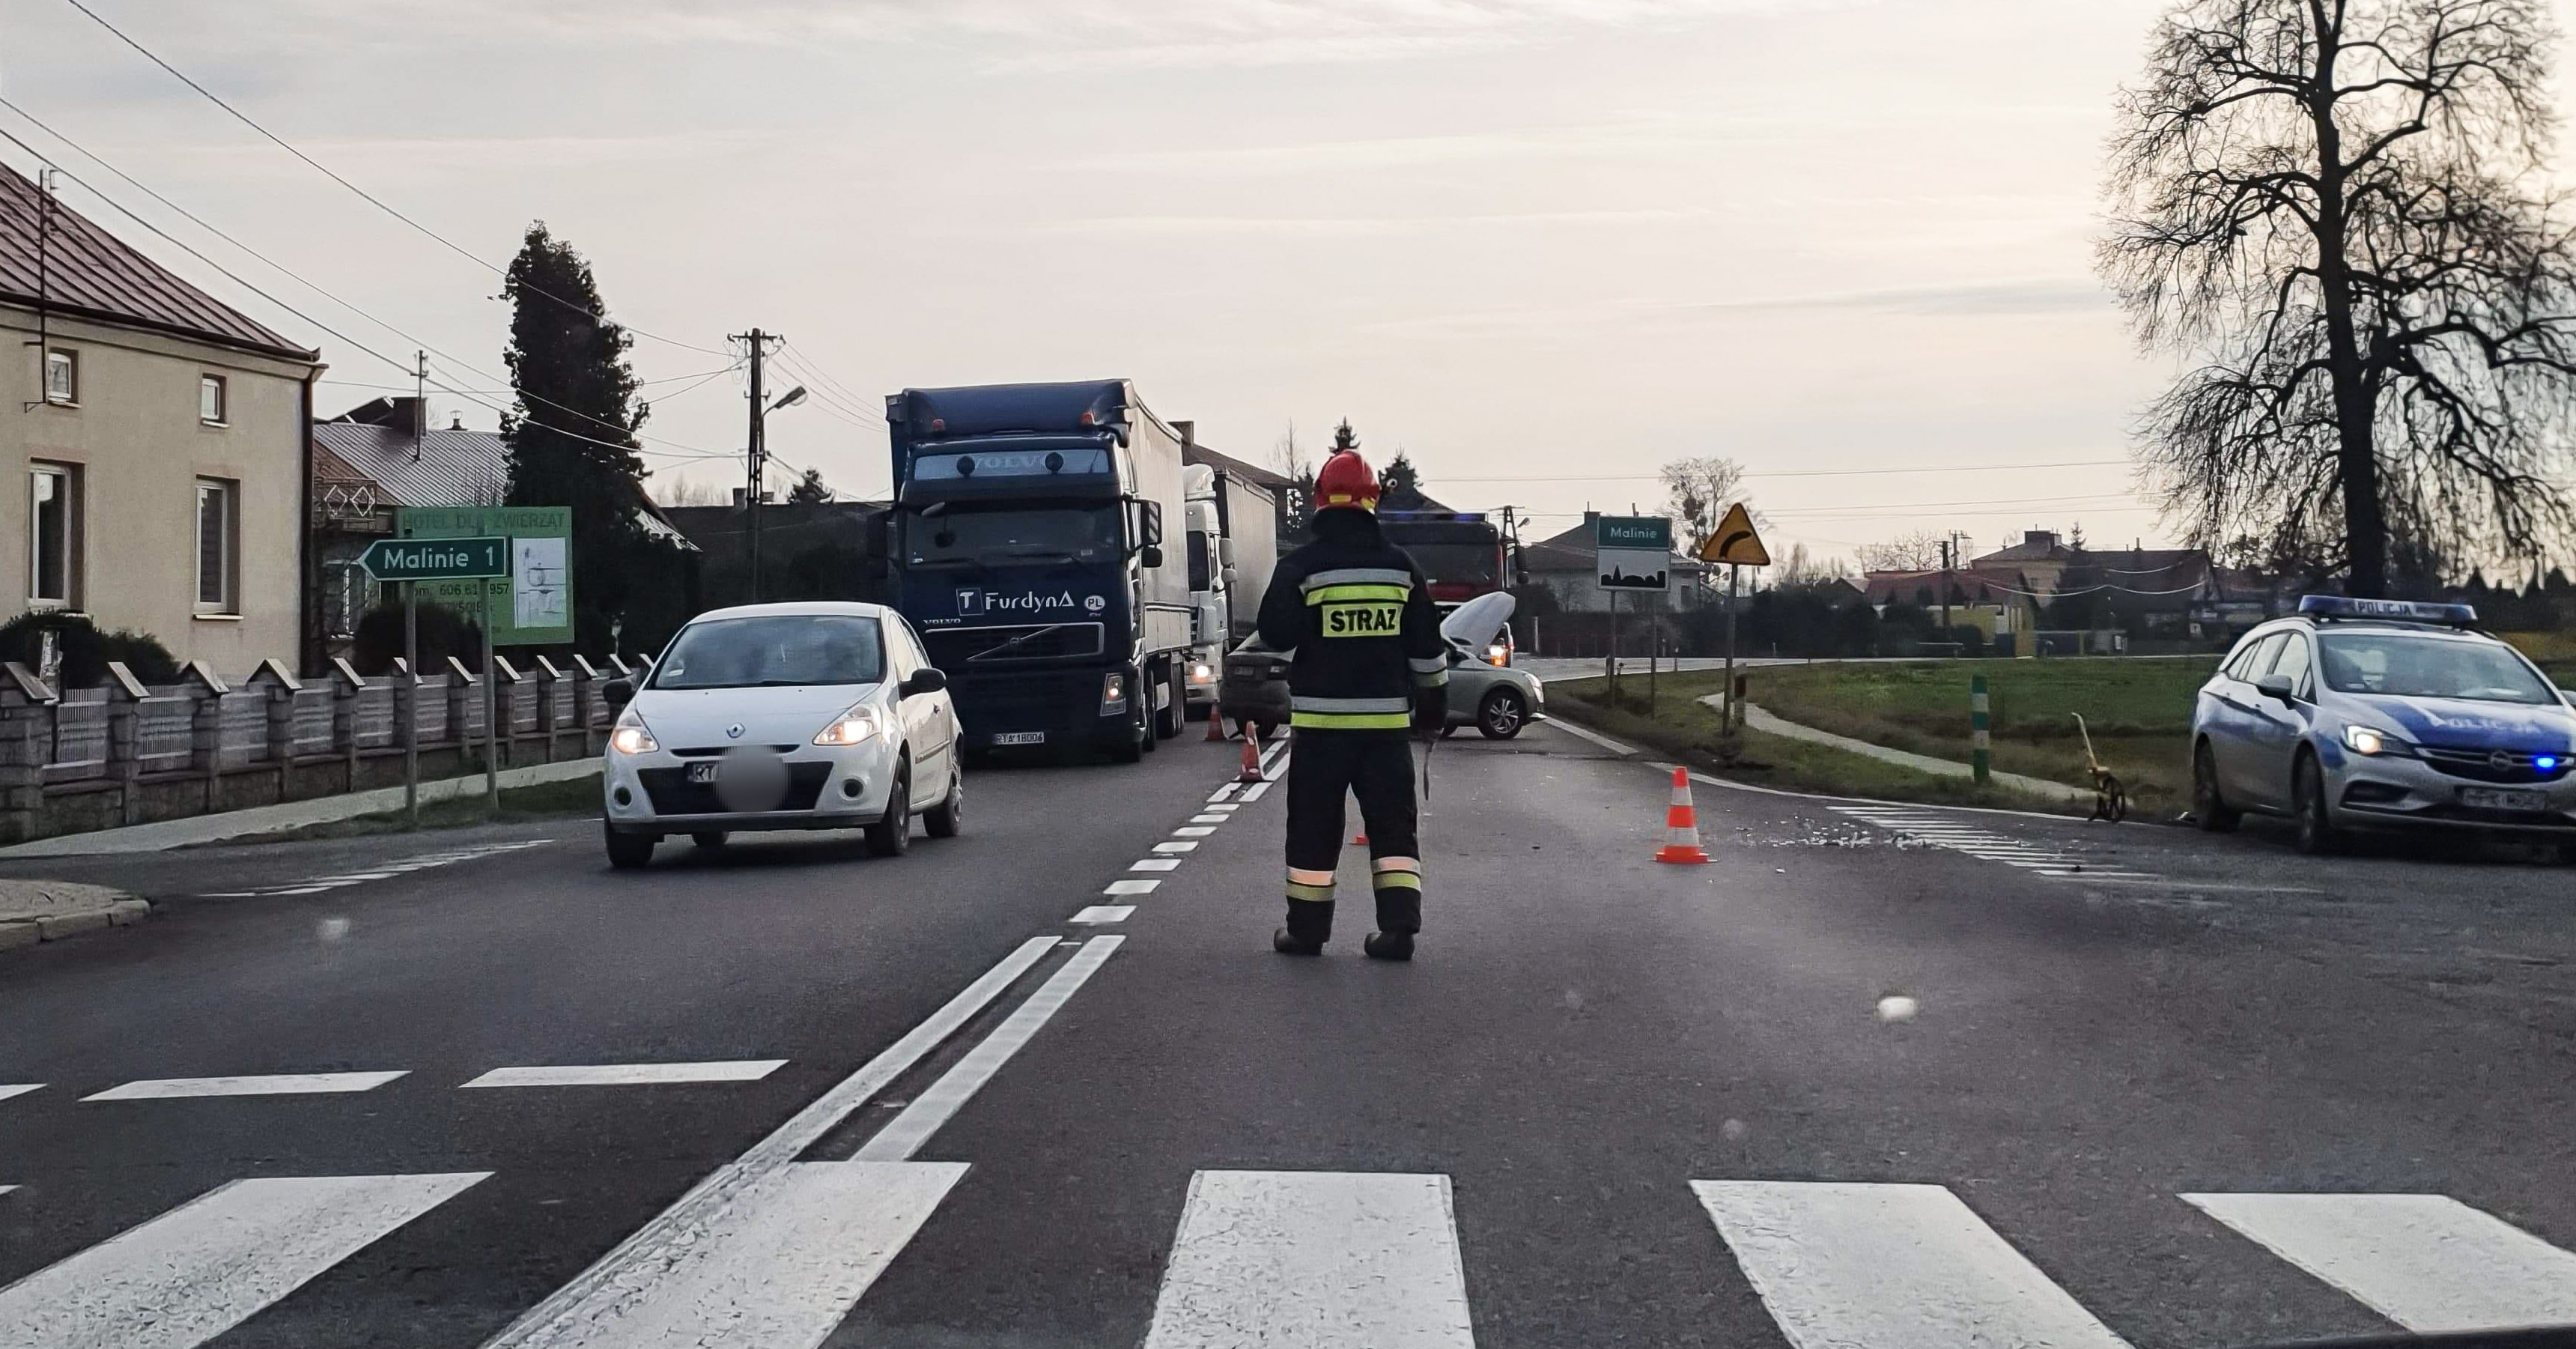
{"x": 537, "y": 801}
{"x": 1687, "y": 730}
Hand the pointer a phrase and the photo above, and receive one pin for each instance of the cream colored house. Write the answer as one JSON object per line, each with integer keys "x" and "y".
{"x": 156, "y": 446}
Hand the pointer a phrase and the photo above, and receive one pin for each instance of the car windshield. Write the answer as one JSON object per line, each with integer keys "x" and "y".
{"x": 2407, "y": 665}
{"x": 773, "y": 650}
{"x": 1063, "y": 535}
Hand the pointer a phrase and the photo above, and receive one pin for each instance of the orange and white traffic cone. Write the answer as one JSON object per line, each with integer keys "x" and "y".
{"x": 1681, "y": 826}
{"x": 1216, "y": 725}
{"x": 1251, "y": 758}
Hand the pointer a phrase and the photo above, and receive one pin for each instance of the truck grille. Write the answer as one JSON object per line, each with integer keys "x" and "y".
{"x": 952, "y": 649}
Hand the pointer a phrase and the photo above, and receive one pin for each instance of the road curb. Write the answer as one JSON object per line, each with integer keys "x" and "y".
{"x": 43, "y": 911}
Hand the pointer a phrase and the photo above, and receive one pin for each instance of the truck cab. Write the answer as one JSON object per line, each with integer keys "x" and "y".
{"x": 1028, "y": 538}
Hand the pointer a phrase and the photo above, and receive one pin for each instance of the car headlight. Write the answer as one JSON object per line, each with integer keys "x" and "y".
{"x": 631, "y": 735}
{"x": 1498, "y": 654}
{"x": 2370, "y": 740}
{"x": 851, "y": 727}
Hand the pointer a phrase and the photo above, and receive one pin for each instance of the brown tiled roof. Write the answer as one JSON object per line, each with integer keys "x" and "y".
{"x": 86, "y": 271}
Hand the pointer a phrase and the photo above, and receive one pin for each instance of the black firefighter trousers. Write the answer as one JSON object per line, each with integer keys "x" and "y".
{"x": 1376, "y": 767}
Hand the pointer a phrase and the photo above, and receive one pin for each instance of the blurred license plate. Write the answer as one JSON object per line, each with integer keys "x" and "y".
{"x": 1020, "y": 738}
{"x": 2488, "y": 798}
{"x": 705, "y": 772}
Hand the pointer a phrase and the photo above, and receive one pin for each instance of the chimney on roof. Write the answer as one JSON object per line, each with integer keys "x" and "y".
{"x": 1189, "y": 433}
{"x": 2040, "y": 538}
{"x": 456, "y": 421}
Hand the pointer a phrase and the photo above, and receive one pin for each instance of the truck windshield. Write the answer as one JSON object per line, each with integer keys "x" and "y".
{"x": 773, "y": 650}
{"x": 976, "y": 535}
{"x": 1469, "y": 564}
{"x": 2409, "y": 666}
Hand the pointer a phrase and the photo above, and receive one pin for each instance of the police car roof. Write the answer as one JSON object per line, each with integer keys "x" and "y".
{"x": 798, "y": 609}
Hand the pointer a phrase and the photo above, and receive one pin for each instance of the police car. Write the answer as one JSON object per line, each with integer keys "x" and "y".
{"x": 2379, "y": 713}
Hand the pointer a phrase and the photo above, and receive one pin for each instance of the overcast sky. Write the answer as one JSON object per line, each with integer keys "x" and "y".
{"x": 1544, "y": 245}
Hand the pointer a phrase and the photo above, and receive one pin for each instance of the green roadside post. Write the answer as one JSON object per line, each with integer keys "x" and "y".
{"x": 1982, "y": 757}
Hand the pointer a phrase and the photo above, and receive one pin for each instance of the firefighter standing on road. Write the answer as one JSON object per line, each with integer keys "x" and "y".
{"x": 1370, "y": 664}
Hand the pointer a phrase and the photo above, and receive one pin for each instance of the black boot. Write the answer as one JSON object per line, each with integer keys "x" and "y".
{"x": 1388, "y": 946}
{"x": 1288, "y": 943}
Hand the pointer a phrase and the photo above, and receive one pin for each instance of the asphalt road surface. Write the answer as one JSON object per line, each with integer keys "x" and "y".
{"x": 1885, "y": 1076}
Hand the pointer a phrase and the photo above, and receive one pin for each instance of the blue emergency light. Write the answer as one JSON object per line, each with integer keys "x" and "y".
{"x": 2412, "y": 611}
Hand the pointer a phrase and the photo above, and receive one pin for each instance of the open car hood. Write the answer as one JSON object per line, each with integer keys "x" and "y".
{"x": 1474, "y": 624}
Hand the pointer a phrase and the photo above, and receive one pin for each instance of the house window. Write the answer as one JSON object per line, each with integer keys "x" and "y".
{"x": 210, "y": 399}
{"x": 62, "y": 376}
{"x": 53, "y": 534}
{"x": 218, "y": 546}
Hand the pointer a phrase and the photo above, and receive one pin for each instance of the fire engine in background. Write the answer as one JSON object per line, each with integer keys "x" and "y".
{"x": 1462, "y": 554}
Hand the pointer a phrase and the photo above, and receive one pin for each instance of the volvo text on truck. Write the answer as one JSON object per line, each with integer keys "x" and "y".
{"x": 1028, "y": 541}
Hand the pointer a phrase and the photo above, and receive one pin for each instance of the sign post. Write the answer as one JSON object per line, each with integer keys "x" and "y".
{"x": 1634, "y": 552}
{"x": 491, "y": 732}
{"x": 412, "y": 561}
{"x": 1737, "y": 544}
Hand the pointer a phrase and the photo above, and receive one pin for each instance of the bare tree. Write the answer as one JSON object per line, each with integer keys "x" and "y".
{"x": 1805, "y": 571}
{"x": 811, "y": 490}
{"x": 1918, "y": 551}
{"x": 679, "y": 490}
{"x": 2326, "y": 206}
{"x": 1294, "y": 464}
{"x": 1697, "y": 491}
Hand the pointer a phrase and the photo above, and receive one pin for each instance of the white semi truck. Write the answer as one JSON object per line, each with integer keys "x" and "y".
{"x": 1232, "y": 547}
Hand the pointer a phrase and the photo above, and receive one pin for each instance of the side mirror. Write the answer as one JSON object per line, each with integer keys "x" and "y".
{"x": 2276, "y": 687}
{"x": 1225, "y": 554}
{"x": 927, "y": 679}
{"x": 1151, "y": 554}
{"x": 618, "y": 692}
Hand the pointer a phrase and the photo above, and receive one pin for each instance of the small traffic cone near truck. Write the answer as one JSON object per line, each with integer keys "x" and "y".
{"x": 1681, "y": 826}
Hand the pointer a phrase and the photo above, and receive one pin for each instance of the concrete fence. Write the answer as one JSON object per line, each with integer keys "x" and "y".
{"x": 128, "y": 753}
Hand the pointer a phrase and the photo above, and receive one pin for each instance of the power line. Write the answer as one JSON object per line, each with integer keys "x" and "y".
{"x": 237, "y": 279}
{"x": 857, "y": 401}
{"x": 371, "y": 198}
{"x": 290, "y": 273}
{"x": 819, "y": 386}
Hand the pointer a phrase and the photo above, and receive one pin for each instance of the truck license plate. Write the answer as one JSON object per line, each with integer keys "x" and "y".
{"x": 1019, "y": 738}
{"x": 705, "y": 772}
{"x": 2489, "y": 798}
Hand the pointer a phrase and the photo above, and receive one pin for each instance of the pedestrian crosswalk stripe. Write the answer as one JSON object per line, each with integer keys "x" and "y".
{"x": 202, "y": 1268}
{"x": 4, "y": 1189}
{"x": 1194, "y": 831}
{"x": 629, "y": 1074}
{"x": 1890, "y": 1265}
{"x": 1253, "y": 793}
{"x": 9, "y": 1089}
{"x": 1155, "y": 864}
{"x": 778, "y": 1268}
{"x": 274, "y": 1084}
{"x": 1189, "y": 845}
{"x": 1314, "y": 1260}
{"x": 2425, "y": 1261}
{"x": 1131, "y": 887}
{"x": 1097, "y": 914}
{"x": 1207, "y": 819}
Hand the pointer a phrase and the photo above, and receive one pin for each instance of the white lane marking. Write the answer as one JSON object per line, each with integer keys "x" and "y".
{"x": 783, "y": 1264}
{"x": 1253, "y": 792}
{"x": 1131, "y": 887}
{"x": 1315, "y": 1260}
{"x": 1223, "y": 792}
{"x": 1176, "y": 847}
{"x": 1227, "y": 808}
{"x": 1210, "y": 819}
{"x": 1155, "y": 864}
{"x": 905, "y": 1134}
{"x": 1889, "y": 1265}
{"x": 210, "y": 1264}
{"x": 1193, "y": 831}
{"x": 1097, "y": 914}
{"x": 595, "y": 1297}
{"x": 4, "y": 1189}
{"x": 314, "y": 885}
{"x": 2425, "y": 1261}
{"x": 9, "y": 1089}
{"x": 274, "y": 1084}
{"x": 1594, "y": 736}
{"x": 629, "y": 1074}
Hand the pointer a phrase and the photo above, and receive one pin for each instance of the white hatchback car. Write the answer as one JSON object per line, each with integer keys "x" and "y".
{"x": 783, "y": 716}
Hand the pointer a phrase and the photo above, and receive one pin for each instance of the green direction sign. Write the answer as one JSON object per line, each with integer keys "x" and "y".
{"x": 530, "y": 601}
{"x": 436, "y": 559}
{"x": 1646, "y": 532}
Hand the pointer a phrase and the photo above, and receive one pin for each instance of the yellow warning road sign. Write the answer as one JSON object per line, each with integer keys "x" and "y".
{"x": 1736, "y": 541}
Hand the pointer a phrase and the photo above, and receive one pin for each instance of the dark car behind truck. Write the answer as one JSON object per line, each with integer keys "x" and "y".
{"x": 1027, "y": 538}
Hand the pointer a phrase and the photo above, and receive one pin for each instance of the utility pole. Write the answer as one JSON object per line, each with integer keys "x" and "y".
{"x": 1949, "y": 557}
{"x": 758, "y": 453}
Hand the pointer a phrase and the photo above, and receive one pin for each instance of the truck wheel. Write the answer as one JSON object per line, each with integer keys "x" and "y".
{"x": 626, "y": 851}
{"x": 1167, "y": 719}
{"x": 1131, "y": 745}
